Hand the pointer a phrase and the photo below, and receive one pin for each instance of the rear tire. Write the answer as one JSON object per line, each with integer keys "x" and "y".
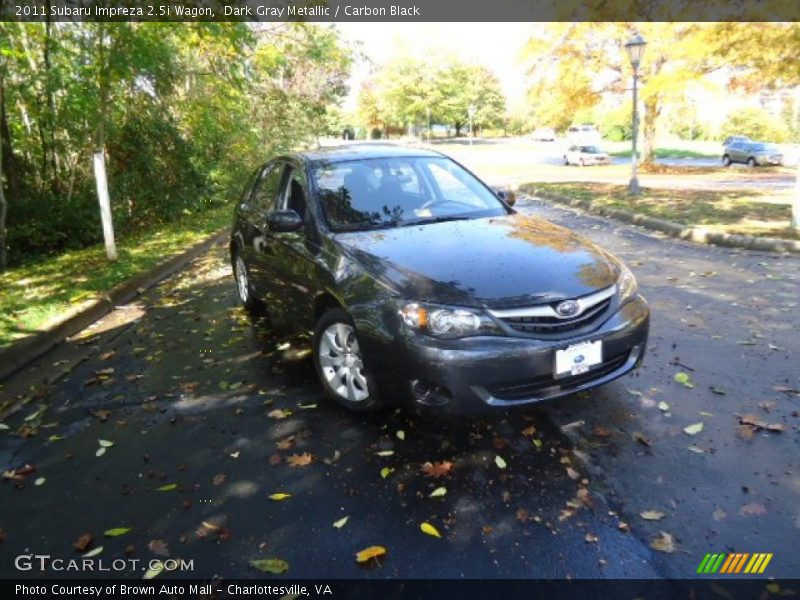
{"x": 244, "y": 285}
{"x": 566, "y": 161}
{"x": 751, "y": 162}
{"x": 338, "y": 360}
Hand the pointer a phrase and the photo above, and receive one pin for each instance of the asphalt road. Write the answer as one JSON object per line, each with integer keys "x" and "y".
{"x": 210, "y": 414}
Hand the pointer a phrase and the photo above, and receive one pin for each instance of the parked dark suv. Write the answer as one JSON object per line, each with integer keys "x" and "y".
{"x": 421, "y": 282}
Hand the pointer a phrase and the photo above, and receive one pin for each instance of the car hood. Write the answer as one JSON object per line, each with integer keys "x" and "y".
{"x": 515, "y": 260}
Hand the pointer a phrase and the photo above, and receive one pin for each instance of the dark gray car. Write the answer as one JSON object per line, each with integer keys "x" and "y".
{"x": 752, "y": 154}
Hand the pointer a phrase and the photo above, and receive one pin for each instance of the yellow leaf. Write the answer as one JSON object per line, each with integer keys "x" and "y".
{"x": 341, "y": 522}
{"x": 279, "y": 496}
{"x": 498, "y": 460}
{"x": 369, "y": 553}
{"x": 386, "y": 471}
{"x": 430, "y": 530}
{"x": 270, "y": 565}
{"x": 438, "y": 492}
{"x": 652, "y": 515}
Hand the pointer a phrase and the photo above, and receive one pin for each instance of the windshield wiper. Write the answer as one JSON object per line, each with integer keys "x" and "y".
{"x": 442, "y": 219}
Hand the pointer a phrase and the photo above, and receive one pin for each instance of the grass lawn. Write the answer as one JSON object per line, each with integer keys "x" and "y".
{"x": 746, "y": 212}
{"x": 33, "y": 295}
{"x": 669, "y": 153}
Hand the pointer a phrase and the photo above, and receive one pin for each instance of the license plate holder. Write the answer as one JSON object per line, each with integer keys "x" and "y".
{"x": 578, "y": 358}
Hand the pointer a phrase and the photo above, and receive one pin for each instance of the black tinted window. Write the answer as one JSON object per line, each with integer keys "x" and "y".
{"x": 266, "y": 192}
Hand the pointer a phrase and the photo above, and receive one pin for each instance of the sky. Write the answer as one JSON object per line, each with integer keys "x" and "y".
{"x": 495, "y": 45}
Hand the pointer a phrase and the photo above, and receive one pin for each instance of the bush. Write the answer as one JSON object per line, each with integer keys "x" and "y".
{"x": 756, "y": 124}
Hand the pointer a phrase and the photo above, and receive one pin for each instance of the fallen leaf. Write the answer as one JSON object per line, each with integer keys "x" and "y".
{"x": 719, "y": 515}
{"x": 693, "y": 429}
{"x": 270, "y": 565}
{"x": 776, "y": 427}
{"x": 663, "y": 542}
{"x": 572, "y": 473}
{"x": 753, "y": 508}
{"x": 341, "y": 522}
{"x": 652, "y": 515}
{"x": 602, "y": 431}
{"x": 638, "y": 436}
{"x": 94, "y": 552}
{"x": 372, "y": 552}
{"x": 438, "y": 469}
{"x": 279, "y": 413}
{"x": 307, "y": 406}
{"x": 385, "y": 453}
{"x": 529, "y": 431}
{"x": 498, "y": 460}
{"x": 300, "y": 460}
{"x": 168, "y": 487}
{"x": 279, "y": 496}
{"x": 386, "y": 471}
{"x": 401, "y": 435}
{"x": 156, "y": 568}
{"x": 235, "y": 454}
{"x": 219, "y": 479}
{"x": 438, "y": 492}
{"x": 158, "y": 547}
{"x": 101, "y": 415}
{"x": 430, "y": 530}
{"x": 39, "y": 481}
{"x": 717, "y": 391}
{"x": 4, "y": 427}
{"x": 83, "y": 542}
{"x": 745, "y": 432}
{"x": 286, "y": 443}
{"x": 591, "y": 538}
{"x": 116, "y": 531}
{"x": 663, "y": 406}
{"x": 684, "y": 379}
{"x": 105, "y": 443}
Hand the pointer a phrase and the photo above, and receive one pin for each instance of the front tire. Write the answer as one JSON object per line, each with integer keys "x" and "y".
{"x": 339, "y": 363}
{"x": 726, "y": 161}
{"x": 244, "y": 286}
{"x": 751, "y": 162}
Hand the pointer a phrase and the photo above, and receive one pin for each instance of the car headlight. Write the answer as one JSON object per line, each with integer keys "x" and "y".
{"x": 626, "y": 283}
{"x": 447, "y": 321}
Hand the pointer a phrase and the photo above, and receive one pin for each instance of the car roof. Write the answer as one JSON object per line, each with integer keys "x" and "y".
{"x": 348, "y": 152}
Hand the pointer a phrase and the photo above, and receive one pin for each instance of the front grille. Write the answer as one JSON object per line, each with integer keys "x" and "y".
{"x": 544, "y": 320}
{"x": 553, "y": 325}
{"x": 535, "y": 387}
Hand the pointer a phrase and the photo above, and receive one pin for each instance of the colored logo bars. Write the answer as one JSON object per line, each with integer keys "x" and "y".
{"x": 732, "y": 563}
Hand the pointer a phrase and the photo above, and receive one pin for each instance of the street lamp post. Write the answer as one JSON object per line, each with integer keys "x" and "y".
{"x": 635, "y": 47}
{"x": 471, "y": 112}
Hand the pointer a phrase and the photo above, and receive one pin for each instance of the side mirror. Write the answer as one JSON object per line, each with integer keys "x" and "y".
{"x": 507, "y": 196}
{"x": 284, "y": 221}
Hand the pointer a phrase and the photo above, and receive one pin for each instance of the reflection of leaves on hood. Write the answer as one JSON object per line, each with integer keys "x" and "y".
{"x": 544, "y": 233}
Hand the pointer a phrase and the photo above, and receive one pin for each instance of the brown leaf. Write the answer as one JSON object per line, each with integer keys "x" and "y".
{"x": 300, "y": 460}
{"x": 638, "y": 436}
{"x": 19, "y": 474}
{"x": 663, "y": 542}
{"x": 584, "y": 497}
{"x": 602, "y": 431}
{"x": 776, "y": 427}
{"x": 529, "y": 431}
{"x": 500, "y": 443}
{"x": 107, "y": 355}
{"x": 572, "y": 473}
{"x": 275, "y": 459}
{"x": 752, "y": 420}
{"x": 438, "y": 469}
{"x": 102, "y": 415}
{"x": 158, "y": 547}
{"x": 745, "y": 432}
{"x": 522, "y": 515}
{"x": 219, "y": 479}
{"x": 83, "y": 542}
{"x": 286, "y": 443}
{"x": 753, "y": 508}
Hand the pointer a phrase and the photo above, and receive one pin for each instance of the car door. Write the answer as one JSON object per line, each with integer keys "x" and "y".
{"x": 263, "y": 199}
{"x": 289, "y": 257}
{"x": 738, "y": 152}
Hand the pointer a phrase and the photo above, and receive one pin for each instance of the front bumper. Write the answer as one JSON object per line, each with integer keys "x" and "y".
{"x": 473, "y": 374}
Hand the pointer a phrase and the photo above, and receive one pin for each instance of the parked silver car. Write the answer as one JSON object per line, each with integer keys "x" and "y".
{"x": 752, "y": 154}
{"x": 586, "y": 155}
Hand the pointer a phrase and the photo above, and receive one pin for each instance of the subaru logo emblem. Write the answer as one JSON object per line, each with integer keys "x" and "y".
{"x": 568, "y": 308}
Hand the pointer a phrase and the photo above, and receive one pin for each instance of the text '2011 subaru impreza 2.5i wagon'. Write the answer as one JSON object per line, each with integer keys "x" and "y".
{"x": 423, "y": 284}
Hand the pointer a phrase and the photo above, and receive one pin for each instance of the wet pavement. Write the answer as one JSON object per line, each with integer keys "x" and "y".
{"x": 204, "y": 414}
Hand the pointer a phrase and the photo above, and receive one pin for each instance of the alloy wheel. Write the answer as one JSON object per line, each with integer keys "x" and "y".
{"x": 341, "y": 363}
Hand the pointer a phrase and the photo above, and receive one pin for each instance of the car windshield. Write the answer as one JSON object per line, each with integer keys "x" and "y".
{"x": 591, "y": 150}
{"x": 398, "y": 191}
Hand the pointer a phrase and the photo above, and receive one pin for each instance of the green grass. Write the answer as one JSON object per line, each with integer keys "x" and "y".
{"x": 33, "y": 295}
{"x": 744, "y": 212}
{"x": 669, "y": 153}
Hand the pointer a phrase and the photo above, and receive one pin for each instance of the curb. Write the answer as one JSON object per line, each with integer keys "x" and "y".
{"x": 698, "y": 235}
{"x": 19, "y": 355}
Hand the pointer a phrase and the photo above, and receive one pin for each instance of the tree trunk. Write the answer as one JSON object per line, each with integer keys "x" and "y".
{"x": 99, "y": 157}
{"x": 652, "y": 109}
